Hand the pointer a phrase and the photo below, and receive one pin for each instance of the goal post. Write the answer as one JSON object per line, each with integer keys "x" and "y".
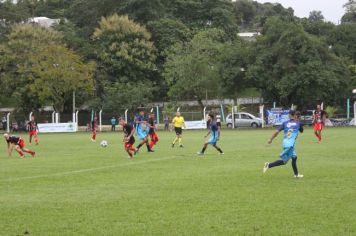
{"x": 8, "y": 122}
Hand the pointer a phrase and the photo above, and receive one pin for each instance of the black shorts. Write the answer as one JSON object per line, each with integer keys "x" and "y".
{"x": 132, "y": 140}
{"x": 178, "y": 130}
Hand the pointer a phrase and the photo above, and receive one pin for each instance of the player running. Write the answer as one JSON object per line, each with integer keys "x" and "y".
{"x": 291, "y": 129}
{"x": 93, "y": 128}
{"x": 214, "y": 132}
{"x": 33, "y": 129}
{"x": 152, "y": 131}
{"x": 319, "y": 118}
{"x": 142, "y": 131}
{"x": 129, "y": 139}
{"x": 19, "y": 144}
{"x": 178, "y": 124}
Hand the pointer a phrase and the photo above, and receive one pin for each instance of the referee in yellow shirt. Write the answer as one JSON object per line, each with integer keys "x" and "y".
{"x": 178, "y": 123}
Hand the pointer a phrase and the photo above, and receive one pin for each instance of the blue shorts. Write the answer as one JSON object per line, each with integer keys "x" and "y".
{"x": 213, "y": 140}
{"x": 288, "y": 153}
{"x": 141, "y": 135}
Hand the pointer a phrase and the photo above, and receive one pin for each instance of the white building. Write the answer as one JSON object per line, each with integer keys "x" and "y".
{"x": 249, "y": 36}
{"x": 44, "y": 21}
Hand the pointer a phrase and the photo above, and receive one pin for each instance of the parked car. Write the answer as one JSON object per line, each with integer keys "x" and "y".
{"x": 306, "y": 118}
{"x": 243, "y": 119}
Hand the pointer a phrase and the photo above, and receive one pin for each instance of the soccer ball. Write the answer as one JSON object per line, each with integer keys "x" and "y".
{"x": 104, "y": 143}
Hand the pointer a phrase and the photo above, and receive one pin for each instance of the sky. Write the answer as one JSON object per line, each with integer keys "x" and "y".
{"x": 332, "y": 9}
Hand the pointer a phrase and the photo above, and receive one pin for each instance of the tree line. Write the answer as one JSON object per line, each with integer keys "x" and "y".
{"x": 119, "y": 54}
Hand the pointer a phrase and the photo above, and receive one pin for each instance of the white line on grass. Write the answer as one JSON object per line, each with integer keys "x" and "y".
{"x": 88, "y": 170}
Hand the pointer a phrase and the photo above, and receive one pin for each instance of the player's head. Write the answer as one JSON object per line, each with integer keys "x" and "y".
{"x": 122, "y": 121}
{"x": 6, "y": 136}
{"x": 292, "y": 114}
{"x": 142, "y": 113}
{"x": 211, "y": 116}
{"x": 178, "y": 114}
{"x": 297, "y": 115}
{"x": 32, "y": 118}
{"x": 318, "y": 107}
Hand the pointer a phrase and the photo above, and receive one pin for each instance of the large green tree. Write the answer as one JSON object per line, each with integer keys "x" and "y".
{"x": 125, "y": 55}
{"x": 233, "y": 62}
{"x": 292, "y": 66}
{"x": 125, "y": 49}
{"x": 38, "y": 69}
{"x": 192, "y": 69}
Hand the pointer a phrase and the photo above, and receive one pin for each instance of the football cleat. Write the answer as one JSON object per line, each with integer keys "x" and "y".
{"x": 265, "y": 168}
{"x": 299, "y": 176}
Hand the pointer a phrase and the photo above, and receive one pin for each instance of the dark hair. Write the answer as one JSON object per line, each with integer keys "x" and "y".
{"x": 211, "y": 115}
{"x": 292, "y": 112}
{"x": 298, "y": 114}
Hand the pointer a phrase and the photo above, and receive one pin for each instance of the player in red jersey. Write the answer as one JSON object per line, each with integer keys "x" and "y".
{"x": 129, "y": 139}
{"x": 319, "y": 118}
{"x": 19, "y": 144}
{"x": 93, "y": 128}
{"x": 33, "y": 129}
{"x": 152, "y": 130}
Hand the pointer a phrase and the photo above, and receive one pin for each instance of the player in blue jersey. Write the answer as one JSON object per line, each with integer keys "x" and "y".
{"x": 142, "y": 131}
{"x": 214, "y": 132}
{"x": 291, "y": 129}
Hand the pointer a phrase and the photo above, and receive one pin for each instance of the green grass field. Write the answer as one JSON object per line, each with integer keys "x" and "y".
{"x": 75, "y": 187}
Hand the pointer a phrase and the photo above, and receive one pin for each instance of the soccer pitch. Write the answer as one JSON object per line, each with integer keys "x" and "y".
{"x": 75, "y": 187}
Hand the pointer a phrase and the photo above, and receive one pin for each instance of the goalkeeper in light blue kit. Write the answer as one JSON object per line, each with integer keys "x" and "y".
{"x": 291, "y": 129}
{"x": 214, "y": 131}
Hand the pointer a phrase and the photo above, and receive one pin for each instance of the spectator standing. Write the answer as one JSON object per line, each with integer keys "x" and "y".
{"x": 166, "y": 122}
{"x": 113, "y": 123}
{"x": 4, "y": 122}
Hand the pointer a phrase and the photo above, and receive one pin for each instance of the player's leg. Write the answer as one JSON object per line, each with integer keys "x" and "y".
{"x": 29, "y": 151}
{"x": 316, "y": 132}
{"x": 180, "y": 139}
{"x": 153, "y": 140}
{"x": 148, "y": 145}
{"x": 294, "y": 165}
{"x": 177, "y": 136}
{"x": 36, "y": 138}
{"x": 140, "y": 144}
{"x": 203, "y": 149}
{"x": 218, "y": 148}
{"x": 319, "y": 132}
{"x": 128, "y": 147}
{"x": 93, "y": 135}
{"x": 20, "y": 152}
{"x": 30, "y": 140}
{"x": 285, "y": 156}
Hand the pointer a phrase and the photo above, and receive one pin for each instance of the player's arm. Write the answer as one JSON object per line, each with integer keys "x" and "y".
{"x": 219, "y": 132}
{"x": 10, "y": 147}
{"x": 314, "y": 118}
{"x": 274, "y": 135}
{"x": 184, "y": 123}
{"x": 132, "y": 132}
{"x": 301, "y": 128}
{"x": 172, "y": 124}
{"x": 323, "y": 118}
{"x": 207, "y": 133}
